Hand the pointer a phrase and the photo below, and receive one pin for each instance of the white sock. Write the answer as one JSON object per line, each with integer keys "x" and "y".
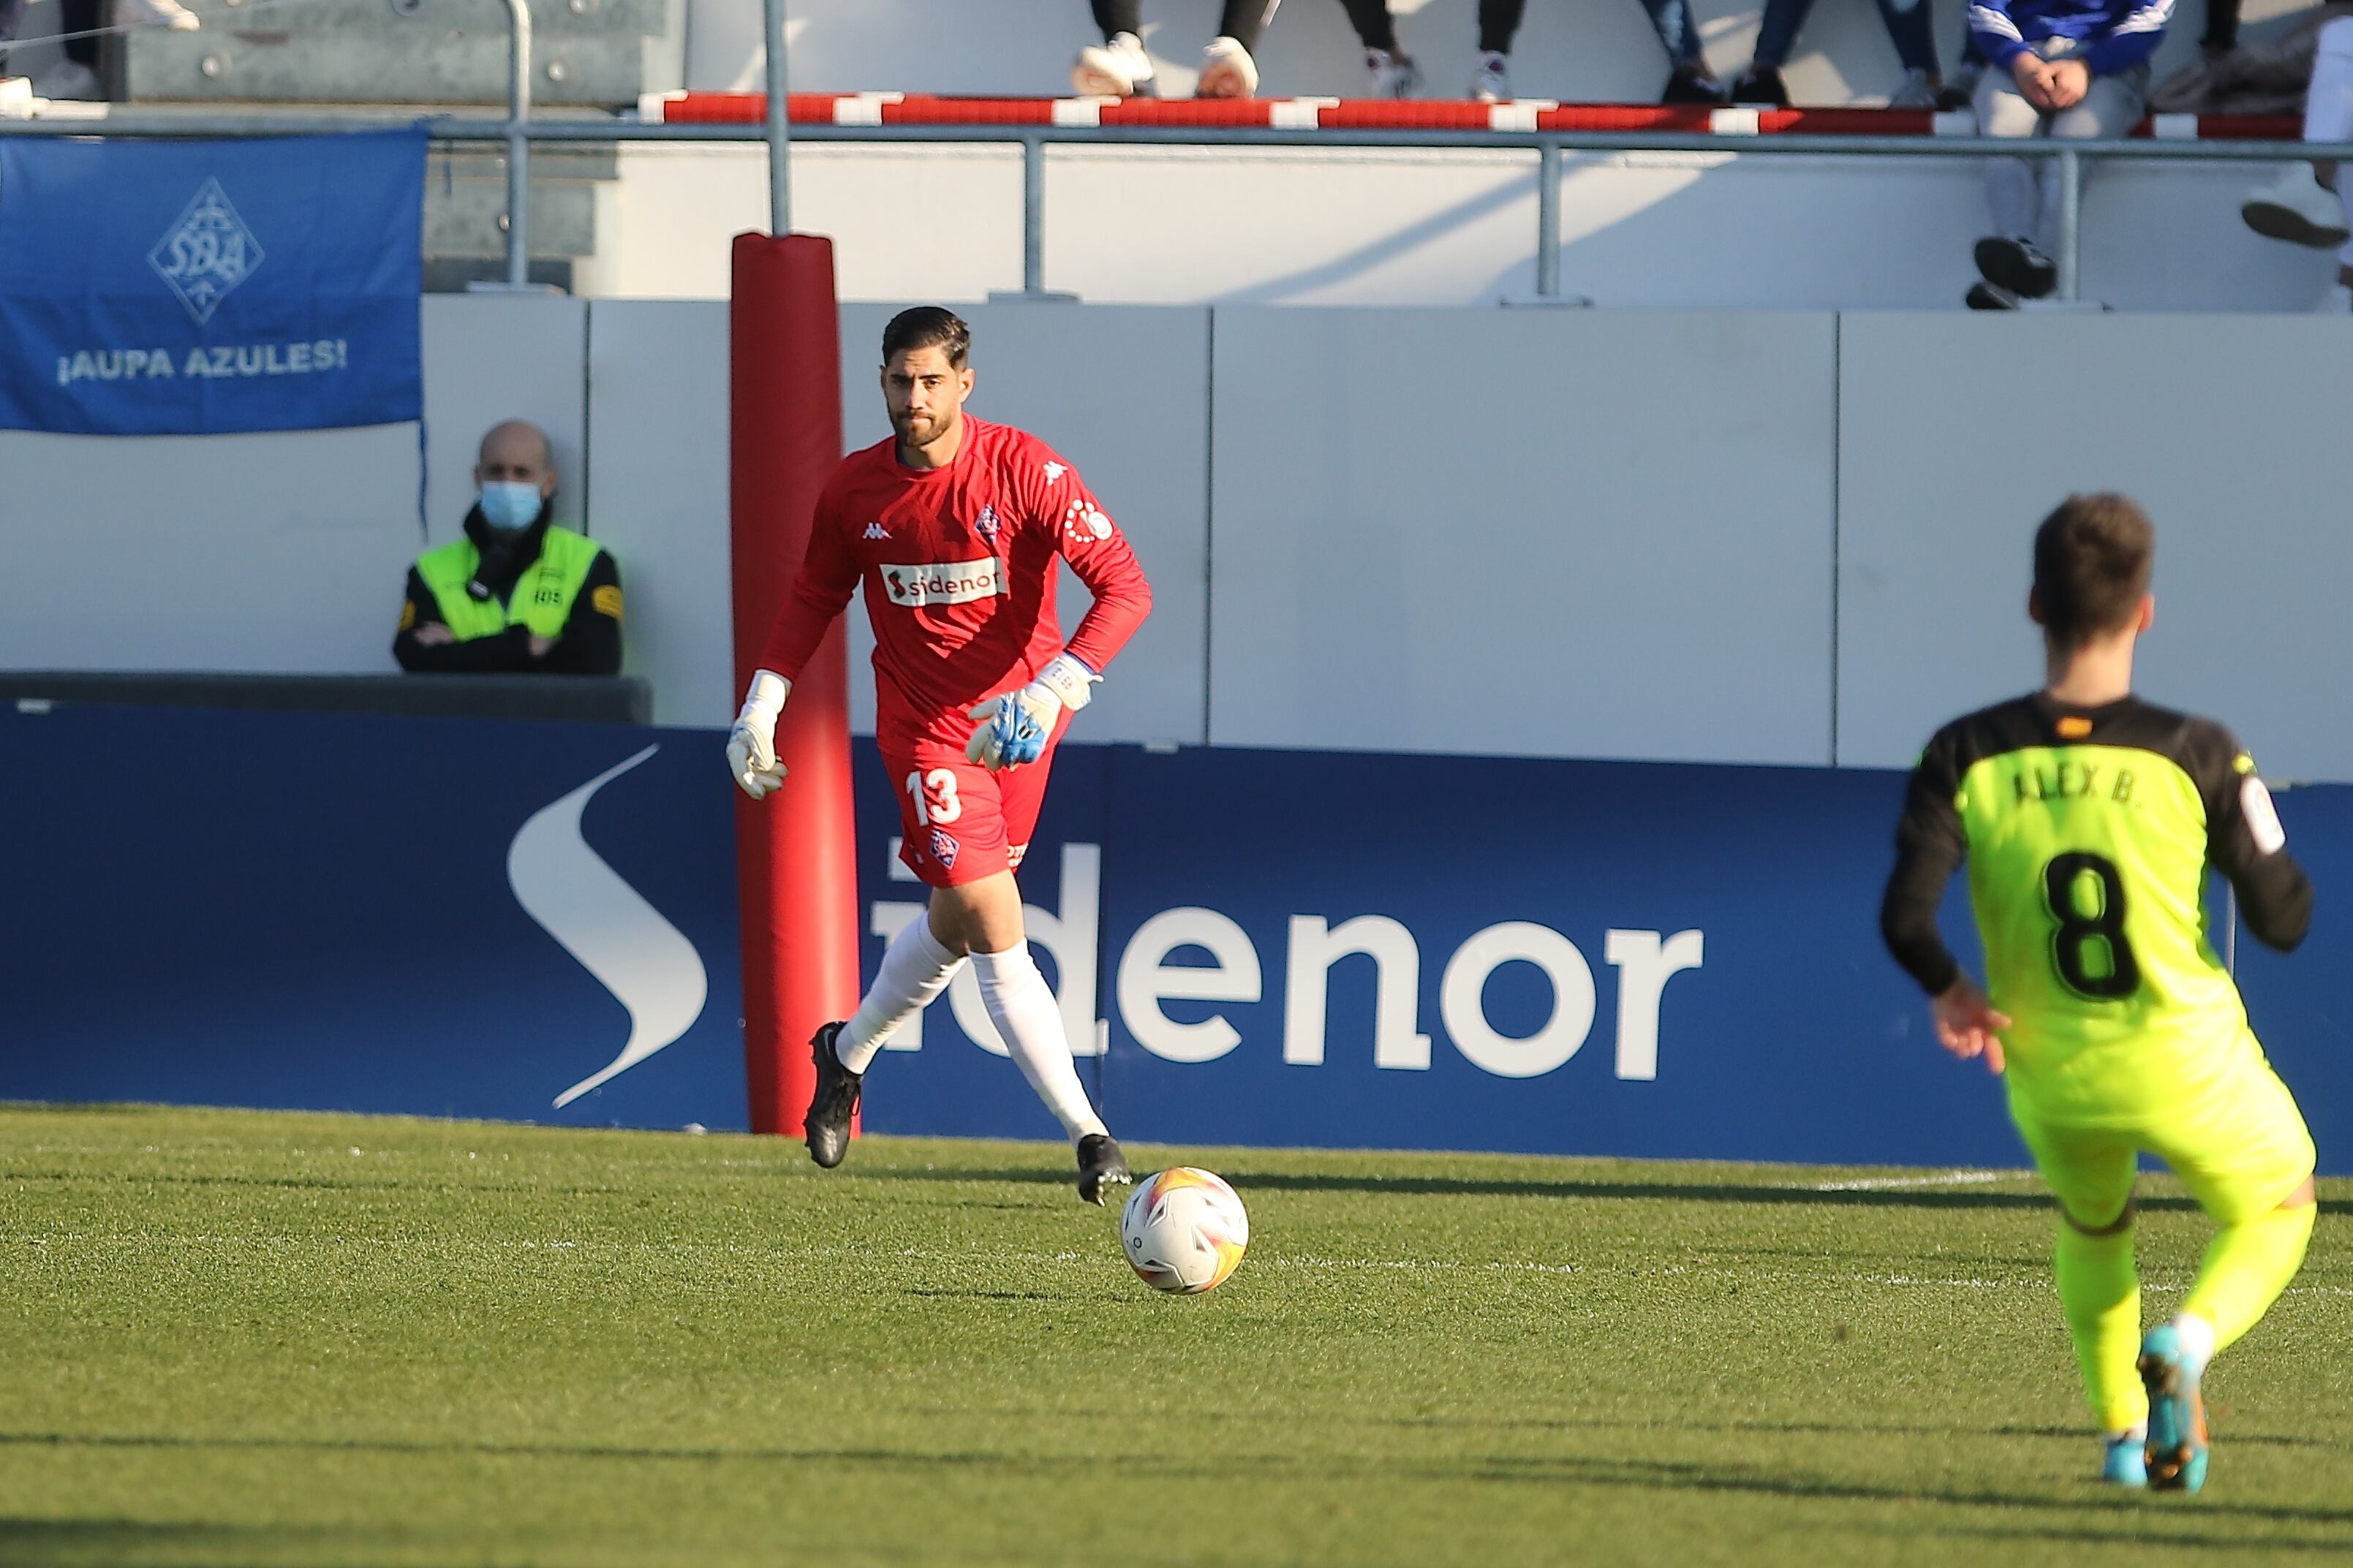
{"x": 1022, "y": 1005}
{"x": 2197, "y": 1336}
{"x": 915, "y": 968}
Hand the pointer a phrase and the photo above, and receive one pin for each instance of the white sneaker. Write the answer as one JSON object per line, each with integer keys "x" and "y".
{"x": 1393, "y": 76}
{"x": 1119, "y": 68}
{"x": 168, "y": 14}
{"x": 69, "y": 78}
{"x": 1916, "y": 92}
{"x": 1227, "y": 72}
{"x": 2298, "y": 208}
{"x": 1491, "y": 83}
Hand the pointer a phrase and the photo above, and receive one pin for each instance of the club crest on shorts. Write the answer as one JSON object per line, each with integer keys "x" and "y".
{"x": 945, "y": 848}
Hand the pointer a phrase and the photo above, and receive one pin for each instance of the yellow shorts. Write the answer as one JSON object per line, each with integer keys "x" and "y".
{"x": 2240, "y": 1147}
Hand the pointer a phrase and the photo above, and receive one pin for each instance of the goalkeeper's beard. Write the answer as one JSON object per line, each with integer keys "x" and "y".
{"x": 917, "y": 430}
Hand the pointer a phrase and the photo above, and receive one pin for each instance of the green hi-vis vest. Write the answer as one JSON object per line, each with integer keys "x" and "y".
{"x": 543, "y": 596}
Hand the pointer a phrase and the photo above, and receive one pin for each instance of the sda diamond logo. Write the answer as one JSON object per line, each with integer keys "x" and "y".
{"x": 206, "y": 254}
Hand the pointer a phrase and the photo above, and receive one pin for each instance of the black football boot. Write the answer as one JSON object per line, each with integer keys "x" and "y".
{"x": 835, "y": 1101}
{"x": 1100, "y": 1166}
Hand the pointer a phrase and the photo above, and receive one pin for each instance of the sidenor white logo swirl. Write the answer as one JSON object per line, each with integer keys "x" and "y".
{"x": 643, "y": 959}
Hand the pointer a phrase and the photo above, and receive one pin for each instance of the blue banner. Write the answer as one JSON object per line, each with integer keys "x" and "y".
{"x": 195, "y": 287}
{"x": 537, "y": 921}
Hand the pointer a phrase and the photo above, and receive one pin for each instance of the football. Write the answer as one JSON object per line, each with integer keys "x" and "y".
{"x": 1185, "y": 1230}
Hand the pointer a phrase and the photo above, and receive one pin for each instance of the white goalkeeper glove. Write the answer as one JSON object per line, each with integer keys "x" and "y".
{"x": 1016, "y": 727}
{"x": 751, "y": 743}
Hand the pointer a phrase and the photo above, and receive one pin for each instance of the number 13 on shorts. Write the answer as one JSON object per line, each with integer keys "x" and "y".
{"x": 932, "y": 796}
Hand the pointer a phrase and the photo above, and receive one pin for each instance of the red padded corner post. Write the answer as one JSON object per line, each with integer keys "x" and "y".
{"x": 797, "y": 869}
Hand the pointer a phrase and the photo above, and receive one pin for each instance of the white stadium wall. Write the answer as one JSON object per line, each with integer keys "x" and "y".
{"x": 1684, "y": 231}
{"x": 1523, "y": 532}
{"x": 1542, "y": 532}
{"x": 272, "y": 552}
{"x": 1956, "y": 433}
{"x": 1341, "y": 226}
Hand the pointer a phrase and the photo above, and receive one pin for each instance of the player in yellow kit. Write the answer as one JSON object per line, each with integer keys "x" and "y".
{"x": 2088, "y": 819}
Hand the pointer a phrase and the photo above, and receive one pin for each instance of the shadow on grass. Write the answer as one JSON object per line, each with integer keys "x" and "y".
{"x": 1865, "y": 1429}
{"x": 71, "y": 1543}
{"x": 2088, "y": 1508}
{"x": 1687, "y": 1192}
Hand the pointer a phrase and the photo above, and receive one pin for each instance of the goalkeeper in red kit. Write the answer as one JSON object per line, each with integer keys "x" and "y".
{"x": 954, "y": 527}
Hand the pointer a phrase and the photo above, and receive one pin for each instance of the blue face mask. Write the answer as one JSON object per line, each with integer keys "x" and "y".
{"x": 511, "y": 505}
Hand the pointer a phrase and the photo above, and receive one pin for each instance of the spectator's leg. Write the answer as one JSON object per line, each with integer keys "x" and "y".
{"x": 2010, "y": 191}
{"x": 1245, "y": 20}
{"x": 80, "y": 16}
{"x": 1499, "y": 24}
{"x": 1117, "y": 16}
{"x": 1776, "y": 35}
{"x": 1678, "y": 33}
{"x": 2222, "y": 28}
{"x": 2110, "y": 108}
{"x": 12, "y": 12}
{"x": 1376, "y": 28}
{"x": 2328, "y": 101}
{"x": 2304, "y": 203}
{"x": 1911, "y": 28}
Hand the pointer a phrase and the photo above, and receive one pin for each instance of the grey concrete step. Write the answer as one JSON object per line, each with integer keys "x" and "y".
{"x": 463, "y": 217}
{"x": 550, "y": 161}
{"x": 385, "y": 64}
{"x": 549, "y": 18}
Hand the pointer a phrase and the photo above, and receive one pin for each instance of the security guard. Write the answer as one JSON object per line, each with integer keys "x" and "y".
{"x": 517, "y": 594}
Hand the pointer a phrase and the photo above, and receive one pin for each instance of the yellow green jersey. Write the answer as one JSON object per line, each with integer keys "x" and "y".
{"x": 2088, "y": 833}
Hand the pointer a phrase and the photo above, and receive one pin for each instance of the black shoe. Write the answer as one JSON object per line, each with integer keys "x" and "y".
{"x": 1760, "y": 87}
{"x": 2017, "y": 266}
{"x": 835, "y": 1101}
{"x": 1100, "y": 1166}
{"x": 1990, "y": 296}
{"x": 1689, "y": 85}
{"x": 1954, "y": 96}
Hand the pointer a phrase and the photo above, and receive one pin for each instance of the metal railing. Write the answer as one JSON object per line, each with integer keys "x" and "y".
{"x": 517, "y": 131}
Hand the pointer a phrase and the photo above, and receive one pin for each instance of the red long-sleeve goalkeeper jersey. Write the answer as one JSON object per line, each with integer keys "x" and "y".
{"x": 958, "y": 566}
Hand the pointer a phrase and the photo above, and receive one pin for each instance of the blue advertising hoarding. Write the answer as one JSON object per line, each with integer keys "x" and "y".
{"x": 536, "y": 921}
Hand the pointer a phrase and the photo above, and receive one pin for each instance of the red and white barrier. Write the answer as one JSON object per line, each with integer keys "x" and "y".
{"x": 1386, "y": 114}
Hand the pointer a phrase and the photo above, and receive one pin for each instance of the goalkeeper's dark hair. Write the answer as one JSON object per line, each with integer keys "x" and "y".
{"x": 2093, "y": 556}
{"x": 927, "y": 327}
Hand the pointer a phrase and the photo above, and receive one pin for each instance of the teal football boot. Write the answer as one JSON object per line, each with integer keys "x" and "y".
{"x": 2123, "y": 1462}
{"x": 2177, "y": 1413}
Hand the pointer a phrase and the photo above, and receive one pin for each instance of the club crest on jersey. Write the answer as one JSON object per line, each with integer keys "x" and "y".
{"x": 985, "y": 524}
{"x": 945, "y": 848}
{"x": 945, "y": 582}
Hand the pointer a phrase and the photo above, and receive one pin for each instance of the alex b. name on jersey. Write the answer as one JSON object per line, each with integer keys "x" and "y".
{"x": 945, "y": 582}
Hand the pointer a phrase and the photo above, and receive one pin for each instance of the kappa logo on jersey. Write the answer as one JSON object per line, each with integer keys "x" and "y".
{"x": 944, "y": 847}
{"x": 876, "y": 530}
{"x": 1054, "y": 472}
{"x": 985, "y": 524}
{"x": 947, "y": 582}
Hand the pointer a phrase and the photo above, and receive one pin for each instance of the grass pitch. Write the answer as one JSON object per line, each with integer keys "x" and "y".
{"x": 232, "y": 1338}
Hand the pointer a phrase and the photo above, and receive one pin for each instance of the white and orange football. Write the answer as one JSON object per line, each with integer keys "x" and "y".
{"x": 1185, "y": 1230}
